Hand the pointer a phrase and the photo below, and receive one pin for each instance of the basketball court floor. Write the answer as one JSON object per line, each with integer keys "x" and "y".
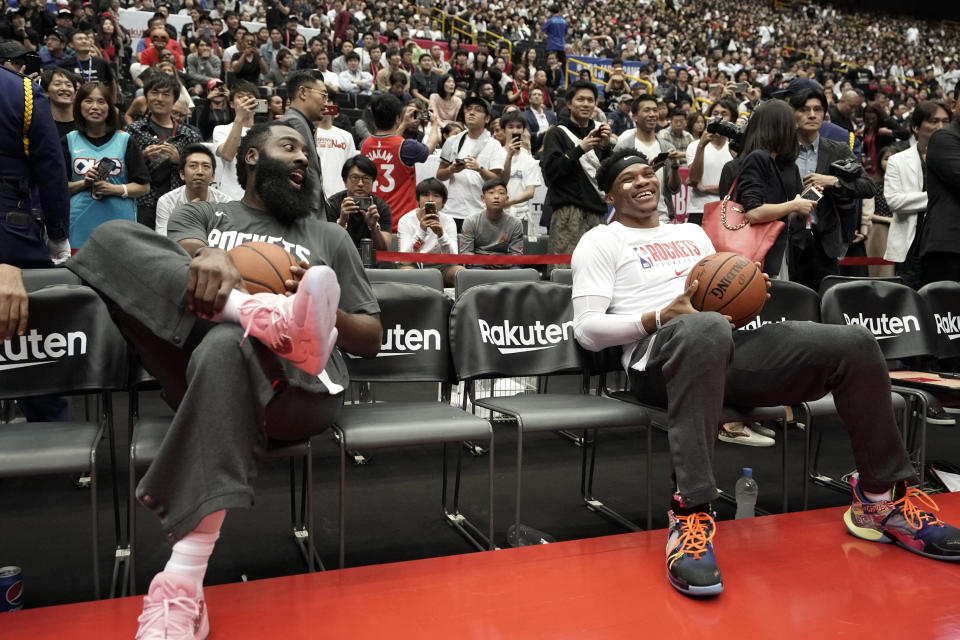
{"x": 797, "y": 575}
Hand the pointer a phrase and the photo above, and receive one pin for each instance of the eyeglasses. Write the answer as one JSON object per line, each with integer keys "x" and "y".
{"x": 359, "y": 179}
{"x": 323, "y": 93}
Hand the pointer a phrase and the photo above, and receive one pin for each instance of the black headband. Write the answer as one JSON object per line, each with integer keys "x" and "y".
{"x": 610, "y": 175}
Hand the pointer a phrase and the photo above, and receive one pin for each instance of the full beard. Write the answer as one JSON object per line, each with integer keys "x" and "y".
{"x": 286, "y": 203}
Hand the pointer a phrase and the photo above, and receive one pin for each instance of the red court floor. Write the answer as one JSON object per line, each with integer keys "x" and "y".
{"x": 798, "y": 575}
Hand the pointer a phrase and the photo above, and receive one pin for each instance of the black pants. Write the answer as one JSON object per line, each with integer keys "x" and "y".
{"x": 807, "y": 261}
{"x": 940, "y": 265}
{"x": 696, "y": 364}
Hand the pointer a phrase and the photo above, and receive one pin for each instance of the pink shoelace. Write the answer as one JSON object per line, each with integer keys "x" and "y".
{"x": 271, "y": 322}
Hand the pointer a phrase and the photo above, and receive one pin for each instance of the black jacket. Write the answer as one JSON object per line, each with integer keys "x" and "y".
{"x": 560, "y": 163}
{"x": 941, "y": 224}
{"x": 839, "y": 203}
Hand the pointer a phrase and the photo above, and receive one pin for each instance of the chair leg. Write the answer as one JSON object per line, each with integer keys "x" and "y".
{"x": 805, "y": 489}
{"x": 95, "y": 524}
{"x": 454, "y": 516}
{"x": 650, "y": 477}
{"x": 341, "y": 506}
{"x": 591, "y": 501}
{"x": 784, "y": 461}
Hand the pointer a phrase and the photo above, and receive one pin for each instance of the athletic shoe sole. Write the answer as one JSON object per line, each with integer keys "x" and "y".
{"x": 875, "y": 535}
{"x": 697, "y": 592}
{"x": 750, "y": 439}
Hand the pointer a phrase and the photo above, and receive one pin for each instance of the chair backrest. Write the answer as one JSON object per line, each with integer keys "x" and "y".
{"x": 788, "y": 301}
{"x": 830, "y": 281}
{"x": 425, "y": 277}
{"x": 514, "y": 329}
{"x": 943, "y": 301}
{"x": 472, "y": 277}
{"x": 562, "y": 276}
{"x": 896, "y": 315}
{"x": 71, "y": 346}
{"x": 36, "y": 279}
{"x": 415, "y": 345}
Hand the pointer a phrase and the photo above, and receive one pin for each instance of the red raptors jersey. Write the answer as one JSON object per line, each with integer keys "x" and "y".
{"x": 396, "y": 182}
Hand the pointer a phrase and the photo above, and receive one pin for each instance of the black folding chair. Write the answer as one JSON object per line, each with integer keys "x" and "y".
{"x": 526, "y": 329}
{"x": 472, "y": 277}
{"x": 415, "y": 319}
{"x": 426, "y": 277}
{"x": 71, "y": 348}
{"x": 865, "y": 301}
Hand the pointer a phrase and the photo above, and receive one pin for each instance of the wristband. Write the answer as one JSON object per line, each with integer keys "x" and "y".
{"x": 656, "y": 319}
{"x": 126, "y": 194}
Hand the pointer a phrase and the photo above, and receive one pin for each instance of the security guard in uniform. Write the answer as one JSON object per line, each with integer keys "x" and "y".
{"x": 30, "y": 156}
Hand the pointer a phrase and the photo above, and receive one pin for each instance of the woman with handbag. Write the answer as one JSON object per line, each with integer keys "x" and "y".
{"x": 767, "y": 188}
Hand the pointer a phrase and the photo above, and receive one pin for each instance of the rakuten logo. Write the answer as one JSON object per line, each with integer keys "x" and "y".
{"x": 757, "y": 323}
{"x": 401, "y": 342}
{"x": 514, "y": 338}
{"x": 884, "y": 327}
{"x": 35, "y": 348}
{"x": 948, "y": 325}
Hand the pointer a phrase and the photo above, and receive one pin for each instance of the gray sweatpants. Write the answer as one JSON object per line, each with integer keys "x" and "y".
{"x": 697, "y": 365}
{"x": 229, "y": 398}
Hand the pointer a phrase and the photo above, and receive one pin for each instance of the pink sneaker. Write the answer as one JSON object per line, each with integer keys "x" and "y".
{"x": 173, "y": 610}
{"x": 301, "y": 327}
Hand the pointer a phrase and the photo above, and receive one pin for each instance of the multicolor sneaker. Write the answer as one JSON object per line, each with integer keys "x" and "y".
{"x": 173, "y": 609}
{"x": 901, "y": 521}
{"x": 301, "y": 327}
{"x": 691, "y": 565}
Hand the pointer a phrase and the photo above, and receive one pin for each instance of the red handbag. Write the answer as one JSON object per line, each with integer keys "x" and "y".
{"x": 726, "y": 225}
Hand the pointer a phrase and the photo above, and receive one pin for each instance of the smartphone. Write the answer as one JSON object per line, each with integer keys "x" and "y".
{"x": 661, "y": 157}
{"x": 812, "y": 194}
{"x": 740, "y": 87}
{"x": 430, "y": 209}
{"x": 363, "y": 202}
{"x": 261, "y": 106}
{"x": 460, "y": 162}
{"x": 516, "y": 136}
{"x": 32, "y": 63}
{"x": 105, "y": 167}
{"x": 332, "y": 110}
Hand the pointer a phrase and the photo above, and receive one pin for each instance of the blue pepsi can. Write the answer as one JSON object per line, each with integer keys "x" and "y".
{"x": 11, "y": 589}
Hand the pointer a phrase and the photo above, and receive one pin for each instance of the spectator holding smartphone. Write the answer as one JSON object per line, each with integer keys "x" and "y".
{"x": 105, "y": 169}
{"x": 520, "y": 169}
{"x": 356, "y": 209}
{"x": 428, "y": 230}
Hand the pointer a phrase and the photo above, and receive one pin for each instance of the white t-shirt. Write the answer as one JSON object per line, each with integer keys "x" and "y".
{"x": 464, "y": 189}
{"x": 334, "y": 147}
{"x": 628, "y": 140}
{"x": 228, "y": 174}
{"x": 411, "y": 238}
{"x": 713, "y": 161}
{"x": 170, "y": 201}
{"x": 524, "y": 172}
{"x": 638, "y": 270}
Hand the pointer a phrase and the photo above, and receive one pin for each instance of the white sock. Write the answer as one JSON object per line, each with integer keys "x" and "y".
{"x": 878, "y": 497}
{"x": 231, "y": 310}
{"x": 192, "y": 552}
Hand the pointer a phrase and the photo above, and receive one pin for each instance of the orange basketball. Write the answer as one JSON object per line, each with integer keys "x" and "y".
{"x": 729, "y": 284}
{"x": 264, "y": 266}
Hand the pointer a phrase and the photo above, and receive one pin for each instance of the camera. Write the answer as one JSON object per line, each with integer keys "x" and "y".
{"x": 363, "y": 202}
{"x": 725, "y": 128}
{"x": 423, "y": 117}
{"x": 846, "y": 169}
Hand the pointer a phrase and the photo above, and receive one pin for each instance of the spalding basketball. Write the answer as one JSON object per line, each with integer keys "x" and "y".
{"x": 730, "y": 285}
{"x": 264, "y": 266}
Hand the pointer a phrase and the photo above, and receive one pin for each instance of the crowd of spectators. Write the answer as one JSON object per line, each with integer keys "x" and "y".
{"x": 479, "y": 90}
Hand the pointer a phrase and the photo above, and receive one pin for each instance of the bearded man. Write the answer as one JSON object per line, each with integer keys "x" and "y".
{"x": 239, "y": 369}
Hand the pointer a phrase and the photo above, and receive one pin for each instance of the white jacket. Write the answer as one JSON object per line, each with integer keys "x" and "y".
{"x": 903, "y": 189}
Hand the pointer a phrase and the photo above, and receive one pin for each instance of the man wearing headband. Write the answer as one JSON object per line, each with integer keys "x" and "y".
{"x": 629, "y": 290}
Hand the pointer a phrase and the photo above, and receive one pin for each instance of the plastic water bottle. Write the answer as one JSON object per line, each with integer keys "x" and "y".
{"x": 746, "y": 494}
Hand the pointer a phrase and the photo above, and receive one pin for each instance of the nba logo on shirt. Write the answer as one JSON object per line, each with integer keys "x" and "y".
{"x": 643, "y": 261}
